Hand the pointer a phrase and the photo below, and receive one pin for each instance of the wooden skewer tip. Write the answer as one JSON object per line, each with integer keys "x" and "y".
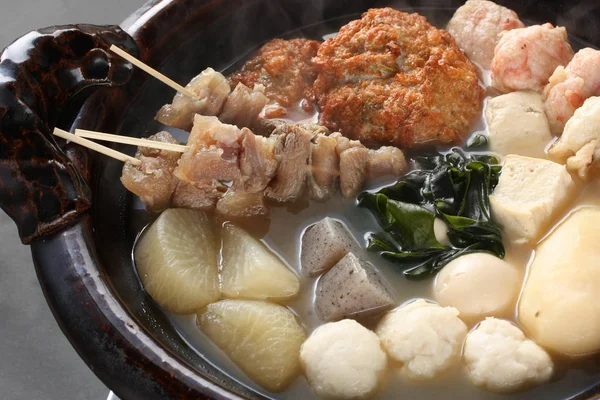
{"x": 145, "y": 67}
{"x": 96, "y": 147}
{"x": 129, "y": 140}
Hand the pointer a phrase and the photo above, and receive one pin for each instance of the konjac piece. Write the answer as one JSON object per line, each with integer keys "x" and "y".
{"x": 324, "y": 244}
{"x": 476, "y": 26}
{"x": 153, "y": 180}
{"x": 211, "y": 89}
{"x": 352, "y": 288}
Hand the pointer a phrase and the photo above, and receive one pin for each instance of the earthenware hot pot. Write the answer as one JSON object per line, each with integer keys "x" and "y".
{"x": 69, "y": 204}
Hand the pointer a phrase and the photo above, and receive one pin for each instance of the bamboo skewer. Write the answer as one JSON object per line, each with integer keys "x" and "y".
{"x": 164, "y": 79}
{"x": 96, "y": 147}
{"x": 129, "y": 140}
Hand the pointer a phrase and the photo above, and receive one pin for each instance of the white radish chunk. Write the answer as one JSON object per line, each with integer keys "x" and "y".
{"x": 262, "y": 338}
{"x": 176, "y": 259}
{"x": 251, "y": 270}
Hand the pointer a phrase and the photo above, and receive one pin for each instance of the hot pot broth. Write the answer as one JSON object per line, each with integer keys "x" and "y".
{"x": 283, "y": 235}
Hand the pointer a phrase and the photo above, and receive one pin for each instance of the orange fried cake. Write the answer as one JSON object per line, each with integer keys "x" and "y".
{"x": 393, "y": 78}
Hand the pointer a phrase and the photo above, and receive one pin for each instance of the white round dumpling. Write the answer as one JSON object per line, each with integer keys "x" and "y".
{"x": 423, "y": 336}
{"x": 500, "y": 358}
{"x": 478, "y": 285}
{"x": 343, "y": 360}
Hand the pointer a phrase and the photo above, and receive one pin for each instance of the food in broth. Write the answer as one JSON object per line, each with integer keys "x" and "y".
{"x": 176, "y": 259}
{"x": 478, "y": 285}
{"x": 251, "y": 271}
{"x": 263, "y": 338}
{"x": 337, "y": 373}
{"x": 336, "y": 299}
{"x": 423, "y": 337}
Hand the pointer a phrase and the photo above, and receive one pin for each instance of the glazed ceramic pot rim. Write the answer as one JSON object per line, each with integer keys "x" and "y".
{"x": 114, "y": 346}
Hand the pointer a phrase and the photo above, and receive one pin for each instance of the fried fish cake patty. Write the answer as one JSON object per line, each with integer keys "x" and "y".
{"x": 284, "y": 67}
{"x": 393, "y": 78}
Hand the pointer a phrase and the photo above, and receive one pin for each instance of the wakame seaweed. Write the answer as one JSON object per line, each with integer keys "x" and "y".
{"x": 454, "y": 187}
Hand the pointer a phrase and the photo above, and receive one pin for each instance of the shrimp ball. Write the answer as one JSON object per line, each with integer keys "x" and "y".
{"x": 478, "y": 285}
{"x": 343, "y": 360}
{"x": 475, "y": 27}
{"x": 500, "y": 358}
{"x": 424, "y": 337}
{"x": 570, "y": 86}
{"x": 525, "y": 58}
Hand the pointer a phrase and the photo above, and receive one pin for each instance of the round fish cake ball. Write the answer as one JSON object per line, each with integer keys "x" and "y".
{"x": 500, "y": 358}
{"x": 525, "y": 58}
{"x": 475, "y": 27}
{"x": 343, "y": 360}
{"x": 478, "y": 285}
{"x": 424, "y": 337}
{"x": 570, "y": 86}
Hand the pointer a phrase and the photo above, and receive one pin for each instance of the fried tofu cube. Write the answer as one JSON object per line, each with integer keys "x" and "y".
{"x": 529, "y": 196}
{"x": 517, "y": 124}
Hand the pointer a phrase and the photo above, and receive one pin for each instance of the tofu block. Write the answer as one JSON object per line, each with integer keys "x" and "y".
{"x": 518, "y": 125}
{"x": 323, "y": 245}
{"x": 352, "y": 289}
{"x": 530, "y": 194}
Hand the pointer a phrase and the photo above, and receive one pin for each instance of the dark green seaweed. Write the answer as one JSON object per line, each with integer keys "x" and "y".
{"x": 454, "y": 187}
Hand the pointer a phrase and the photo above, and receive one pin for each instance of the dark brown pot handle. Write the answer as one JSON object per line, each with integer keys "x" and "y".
{"x": 40, "y": 76}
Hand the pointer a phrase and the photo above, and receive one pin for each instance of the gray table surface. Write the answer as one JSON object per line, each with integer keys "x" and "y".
{"x": 36, "y": 361}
